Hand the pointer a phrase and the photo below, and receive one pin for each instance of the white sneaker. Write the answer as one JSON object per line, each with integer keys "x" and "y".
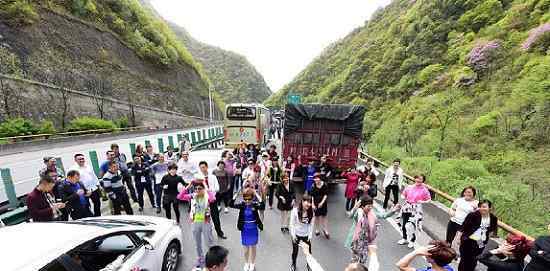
{"x": 251, "y": 267}
{"x": 402, "y": 242}
{"x": 410, "y": 245}
{"x": 246, "y": 267}
{"x": 226, "y": 210}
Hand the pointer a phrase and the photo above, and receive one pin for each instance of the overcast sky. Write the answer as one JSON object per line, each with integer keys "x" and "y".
{"x": 279, "y": 37}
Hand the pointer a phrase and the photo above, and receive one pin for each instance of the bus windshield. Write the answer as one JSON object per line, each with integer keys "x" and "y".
{"x": 241, "y": 113}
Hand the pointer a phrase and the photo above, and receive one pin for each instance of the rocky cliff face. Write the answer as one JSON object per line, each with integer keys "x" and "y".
{"x": 76, "y": 52}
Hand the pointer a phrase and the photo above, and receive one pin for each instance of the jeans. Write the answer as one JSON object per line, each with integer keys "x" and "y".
{"x": 395, "y": 191}
{"x": 158, "y": 195}
{"x": 95, "y": 198}
{"x": 202, "y": 229}
{"x": 145, "y": 186}
{"x": 237, "y": 183}
{"x": 404, "y": 220}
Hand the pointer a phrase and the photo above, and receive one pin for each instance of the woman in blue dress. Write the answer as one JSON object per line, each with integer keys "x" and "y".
{"x": 248, "y": 224}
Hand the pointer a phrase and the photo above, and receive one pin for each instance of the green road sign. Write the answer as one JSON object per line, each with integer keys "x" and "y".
{"x": 294, "y": 99}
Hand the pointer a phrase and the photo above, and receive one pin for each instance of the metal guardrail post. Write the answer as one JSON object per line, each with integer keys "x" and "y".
{"x": 193, "y": 138}
{"x": 133, "y": 149}
{"x": 59, "y": 165}
{"x": 9, "y": 187}
{"x": 161, "y": 145}
{"x": 171, "y": 142}
{"x": 95, "y": 162}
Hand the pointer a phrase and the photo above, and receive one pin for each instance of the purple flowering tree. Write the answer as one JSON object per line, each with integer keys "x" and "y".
{"x": 482, "y": 54}
{"x": 537, "y": 34}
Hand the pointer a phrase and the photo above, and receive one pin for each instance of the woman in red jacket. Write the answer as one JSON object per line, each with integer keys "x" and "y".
{"x": 352, "y": 180}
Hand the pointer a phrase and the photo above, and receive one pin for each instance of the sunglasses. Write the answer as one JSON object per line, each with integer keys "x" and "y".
{"x": 199, "y": 188}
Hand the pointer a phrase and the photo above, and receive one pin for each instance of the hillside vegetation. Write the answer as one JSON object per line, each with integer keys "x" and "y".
{"x": 459, "y": 89}
{"x": 233, "y": 76}
{"x": 85, "y": 44}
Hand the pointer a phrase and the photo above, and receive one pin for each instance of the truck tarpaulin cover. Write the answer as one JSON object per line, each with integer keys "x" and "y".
{"x": 351, "y": 115}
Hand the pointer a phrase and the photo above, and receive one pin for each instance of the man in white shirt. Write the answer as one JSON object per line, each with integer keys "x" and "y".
{"x": 393, "y": 181}
{"x": 186, "y": 169}
{"x": 90, "y": 181}
{"x": 212, "y": 186}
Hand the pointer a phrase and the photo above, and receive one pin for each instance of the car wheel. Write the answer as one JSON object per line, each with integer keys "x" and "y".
{"x": 171, "y": 257}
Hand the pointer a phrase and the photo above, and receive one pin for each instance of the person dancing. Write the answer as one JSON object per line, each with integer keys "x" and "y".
{"x": 248, "y": 224}
{"x": 301, "y": 227}
{"x": 285, "y": 196}
{"x": 319, "y": 194}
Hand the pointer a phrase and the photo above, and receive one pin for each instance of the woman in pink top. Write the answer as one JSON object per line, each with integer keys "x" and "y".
{"x": 352, "y": 180}
{"x": 411, "y": 212}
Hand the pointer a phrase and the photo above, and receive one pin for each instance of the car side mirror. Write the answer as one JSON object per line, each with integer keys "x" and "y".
{"x": 147, "y": 244}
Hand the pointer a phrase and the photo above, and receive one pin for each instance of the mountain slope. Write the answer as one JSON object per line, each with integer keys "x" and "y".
{"x": 459, "y": 89}
{"x": 118, "y": 42}
{"x": 233, "y": 77}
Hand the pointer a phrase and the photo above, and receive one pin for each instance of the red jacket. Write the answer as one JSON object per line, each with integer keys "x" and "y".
{"x": 39, "y": 208}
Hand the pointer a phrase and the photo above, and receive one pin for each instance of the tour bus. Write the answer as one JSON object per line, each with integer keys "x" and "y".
{"x": 246, "y": 123}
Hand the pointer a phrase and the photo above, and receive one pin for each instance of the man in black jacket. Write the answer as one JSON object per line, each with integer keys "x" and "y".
{"x": 75, "y": 195}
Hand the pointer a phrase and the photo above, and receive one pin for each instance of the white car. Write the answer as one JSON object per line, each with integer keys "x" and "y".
{"x": 125, "y": 243}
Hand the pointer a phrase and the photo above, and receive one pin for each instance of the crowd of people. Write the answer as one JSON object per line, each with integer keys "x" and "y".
{"x": 252, "y": 180}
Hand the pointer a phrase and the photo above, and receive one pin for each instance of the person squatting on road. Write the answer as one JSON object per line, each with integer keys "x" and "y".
{"x": 248, "y": 223}
{"x": 393, "y": 181}
{"x": 302, "y": 220}
{"x": 411, "y": 213}
{"x": 285, "y": 202}
{"x": 114, "y": 187}
{"x": 319, "y": 203}
{"x": 364, "y": 229}
{"x": 474, "y": 235}
{"x": 200, "y": 215}
{"x": 169, "y": 184}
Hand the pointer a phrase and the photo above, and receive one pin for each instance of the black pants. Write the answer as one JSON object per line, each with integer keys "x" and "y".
{"x": 452, "y": 229}
{"x": 404, "y": 219}
{"x": 127, "y": 179}
{"x": 95, "y": 198}
{"x": 295, "y": 247}
{"x": 395, "y": 191}
{"x": 469, "y": 251}
{"x": 147, "y": 187}
{"x": 271, "y": 194}
{"x": 171, "y": 201}
{"x": 79, "y": 212}
{"x": 215, "y": 215}
{"x": 122, "y": 200}
{"x": 231, "y": 180}
{"x": 224, "y": 197}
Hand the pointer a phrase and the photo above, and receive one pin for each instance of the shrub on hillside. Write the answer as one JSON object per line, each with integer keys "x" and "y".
{"x": 122, "y": 122}
{"x": 46, "y": 127}
{"x": 539, "y": 39}
{"x": 89, "y": 123}
{"x": 482, "y": 54}
{"x": 18, "y": 12}
{"x": 17, "y": 127}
